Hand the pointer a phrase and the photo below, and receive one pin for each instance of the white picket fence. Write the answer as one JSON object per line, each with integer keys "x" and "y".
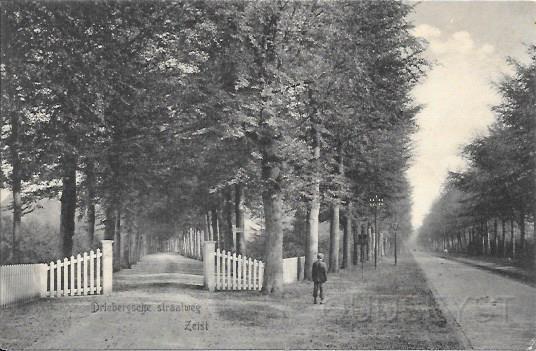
{"x": 191, "y": 244}
{"x": 22, "y": 283}
{"x": 80, "y": 275}
{"x": 171, "y": 245}
{"x": 86, "y": 274}
{"x": 236, "y": 272}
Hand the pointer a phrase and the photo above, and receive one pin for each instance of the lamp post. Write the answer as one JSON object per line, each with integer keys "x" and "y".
{"x": 375, "y": 203}
{"x": 395, "y": 227}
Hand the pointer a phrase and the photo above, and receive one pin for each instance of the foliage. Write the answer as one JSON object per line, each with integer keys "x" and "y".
{"x": 162, "y": 108}
{"x": 499, "y": 181}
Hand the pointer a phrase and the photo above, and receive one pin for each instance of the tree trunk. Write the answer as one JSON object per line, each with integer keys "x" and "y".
{"x": 117, "y": 240}
{"x": 138, "y": 247}
{"x": 272, "y": 202}
{"x": 208, "y": 227}
{"x": 467, "y": 239}
{"x": 477, "y": 247}
{"x": 471, "y": 244}
{"x": 334, "y": 224}
{"x": 355, "y": 241}
{"x": 476, "y": 240}
{"x": 334, "y": 239}
{"x": 306, "y": 241}
{"x": 534, "y": 237}
{"x": 221, "y": 224}
{"x": 312, "y": 235}
{"x": 512, "y": 238}
{"x": 314, "y": 211}
{"x": 370, "y": 240}
{"x": 90, "y": 180}
{"x": 380, "y": 239}
{"x": 133, "y": 248}
{"x": 127, "y": 247}
{"x": 470, "y": 240}
{"x": 488, "y": 240}
{"x": 522, "y": 240}
{"x": 16, "y": 188}
{"x": 482, "y": 239}
{"x": 17, "y": 218}
{"x": 228, "y": 222}
{"x": 215, "y": 226}
{"x": 68, "y": 204}
{"x": 503, "y": 232}
{"x": 495, "y": 238}
{"x": 109, "y": 224}
{"x": 346, "y": 239}
{"x": 240, "y": 219}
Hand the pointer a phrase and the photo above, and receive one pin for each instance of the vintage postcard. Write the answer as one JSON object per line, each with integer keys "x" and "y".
{"x": 274, "y": 174}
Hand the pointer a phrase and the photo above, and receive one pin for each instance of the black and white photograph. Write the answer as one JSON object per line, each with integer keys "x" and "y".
{"x": 267, "y": 175}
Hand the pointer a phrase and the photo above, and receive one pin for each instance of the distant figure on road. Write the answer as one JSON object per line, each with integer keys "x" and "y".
{"x": 320, "y": 276}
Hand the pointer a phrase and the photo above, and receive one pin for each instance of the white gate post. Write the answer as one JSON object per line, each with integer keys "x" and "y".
{"x": 107, "y": 266}
{"x": 208, "y": 264}
{"x": 43, "y": 275}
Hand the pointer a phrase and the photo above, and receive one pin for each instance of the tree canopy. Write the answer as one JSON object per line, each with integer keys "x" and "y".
{"x": 155, "y": 112}
{"x": 500, "y": 180}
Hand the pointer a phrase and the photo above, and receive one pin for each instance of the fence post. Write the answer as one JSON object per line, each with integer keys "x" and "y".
{"x": 208, "y": 264}
{"x": 43, "y": 279}
{"x": 301, "y": 267}
{"x": 107, "y": 266}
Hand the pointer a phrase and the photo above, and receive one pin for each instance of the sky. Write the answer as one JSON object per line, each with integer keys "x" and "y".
{"x": 469, "y": 43}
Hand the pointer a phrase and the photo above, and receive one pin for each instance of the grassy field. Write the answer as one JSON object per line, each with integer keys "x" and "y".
{"x": 390, "y": 308}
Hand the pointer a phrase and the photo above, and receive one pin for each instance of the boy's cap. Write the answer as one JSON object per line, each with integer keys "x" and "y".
{"x": 320, "y": 256}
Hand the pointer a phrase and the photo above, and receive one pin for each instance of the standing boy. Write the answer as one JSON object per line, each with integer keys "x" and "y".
{"x": 320, "y": 276}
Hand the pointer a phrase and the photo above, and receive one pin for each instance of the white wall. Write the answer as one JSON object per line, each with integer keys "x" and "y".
{"x": 291, "y": 267}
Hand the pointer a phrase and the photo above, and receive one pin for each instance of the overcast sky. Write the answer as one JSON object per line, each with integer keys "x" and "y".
{"x": 469, "y": 42}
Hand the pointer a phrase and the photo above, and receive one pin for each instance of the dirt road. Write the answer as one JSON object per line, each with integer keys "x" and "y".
{"x": 494, "y": 312}
{"x": 151, "y": 307}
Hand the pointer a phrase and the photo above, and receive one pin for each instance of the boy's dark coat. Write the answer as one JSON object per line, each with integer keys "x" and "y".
{"x": 320, "y": 272}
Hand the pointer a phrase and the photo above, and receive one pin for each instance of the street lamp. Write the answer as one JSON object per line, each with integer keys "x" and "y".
{"x": 395, "y": 227}
{"x": 375, "y": 203}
